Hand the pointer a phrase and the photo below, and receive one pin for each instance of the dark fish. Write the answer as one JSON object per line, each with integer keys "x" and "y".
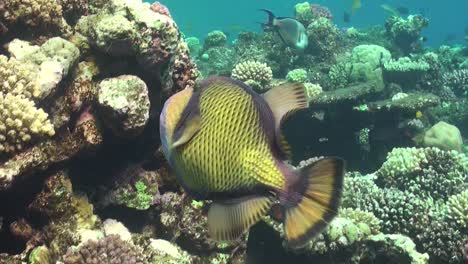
{"x": 225, "y": 144}
{"x": 291, "y": 31}
{"x": 346, "y": 17}
{"x": 356, "y": 5}
{"x": 402, "y": 10}
{"x": 450, "y": 37}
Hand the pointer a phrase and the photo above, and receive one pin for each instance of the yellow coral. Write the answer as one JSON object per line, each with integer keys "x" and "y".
{"x": 34, "y": 12}
{"x": 20, "y": 121}
{"x": 18, "y": 78}
{"x": 313, "y": 90}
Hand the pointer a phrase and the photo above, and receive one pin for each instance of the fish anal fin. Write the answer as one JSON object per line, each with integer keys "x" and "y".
{"x": 283, "y": 100}
{"x": 320, "y": 185}
{"x": 229, "y": 219}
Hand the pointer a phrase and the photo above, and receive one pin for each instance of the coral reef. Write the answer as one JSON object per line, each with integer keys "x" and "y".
{"x": 406, "y": 33}
{"x": 82, "y": 83}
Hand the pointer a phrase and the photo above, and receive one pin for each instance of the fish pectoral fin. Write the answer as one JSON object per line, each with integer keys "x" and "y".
{"x": 188, "y": 130}
{"x": 284, "y": 100}
{"x": 227, "y": 220}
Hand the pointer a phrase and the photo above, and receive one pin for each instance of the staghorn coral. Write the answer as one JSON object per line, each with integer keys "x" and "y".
{"x": 110, "y": 249}
{"x": 256, "y": 74}
{"x": 428, "y": 172}
{"x": 21, "y": 122}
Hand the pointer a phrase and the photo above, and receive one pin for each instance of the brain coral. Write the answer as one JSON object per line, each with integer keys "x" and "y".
{"x": 20, "y": 121}
{"x": 444, "y": 136}
{"x": 254, "y": 73}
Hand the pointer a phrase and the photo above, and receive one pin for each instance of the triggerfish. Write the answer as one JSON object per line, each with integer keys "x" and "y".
{"x": 224, "y": 144}
{"x": 291, "y": 31}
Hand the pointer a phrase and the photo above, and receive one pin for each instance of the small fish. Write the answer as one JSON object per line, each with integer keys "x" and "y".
{"x": 225, "y": 144}
{"x": 292, "y": 32}
{"x": 419, "y": 114}
{"x": 423, "y": 39}
{"x": 346, "y": 17}
{"x": 450, "y": 37}
{"x": 390, "y": 9}
{"x": 323, "y": 139}
{"x": 402, "y": 10}
{"x": 355, "y": 6}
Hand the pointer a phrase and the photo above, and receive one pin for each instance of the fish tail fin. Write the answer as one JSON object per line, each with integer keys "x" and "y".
{"x": 271, "y": 18}
{"x": 312, "y": 201}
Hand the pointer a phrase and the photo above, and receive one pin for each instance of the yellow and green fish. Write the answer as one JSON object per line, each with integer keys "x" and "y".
{"x": 224, "y": 143}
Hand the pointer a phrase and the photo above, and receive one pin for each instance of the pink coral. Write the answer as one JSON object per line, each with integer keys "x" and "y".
{"x": 321, "y": 11}
{"x": 160, "y": 8}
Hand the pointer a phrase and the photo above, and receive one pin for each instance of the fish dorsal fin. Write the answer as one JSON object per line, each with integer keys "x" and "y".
{"x": 189, "y": 124}
{"x": 229, "y": 219}
{"x": 283, "y": 100}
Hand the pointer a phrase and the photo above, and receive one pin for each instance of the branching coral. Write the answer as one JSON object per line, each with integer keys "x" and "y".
{"x": 312, "y": 90}
{"x": 323, "y": 38}
{"x": 444, "y": 241}
{"x": 18, "y": 78}
{"x": 457, "y": 208}
{"x": 297, "y": 75}
{"x": 256, "y": 74}
{"x": 215, "y": 38}
{"x": 428, "y": 172}
{"x": 21, "y": 122}
{"x": 34, "y": 13}
{"x": 406, "y": 33}
{"x": 457, "y": 80}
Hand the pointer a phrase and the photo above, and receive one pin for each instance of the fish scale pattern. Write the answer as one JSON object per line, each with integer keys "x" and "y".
{"x": 230, "y": 152}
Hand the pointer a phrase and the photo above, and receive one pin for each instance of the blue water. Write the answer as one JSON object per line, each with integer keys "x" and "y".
{"x": 197, "y": 18}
